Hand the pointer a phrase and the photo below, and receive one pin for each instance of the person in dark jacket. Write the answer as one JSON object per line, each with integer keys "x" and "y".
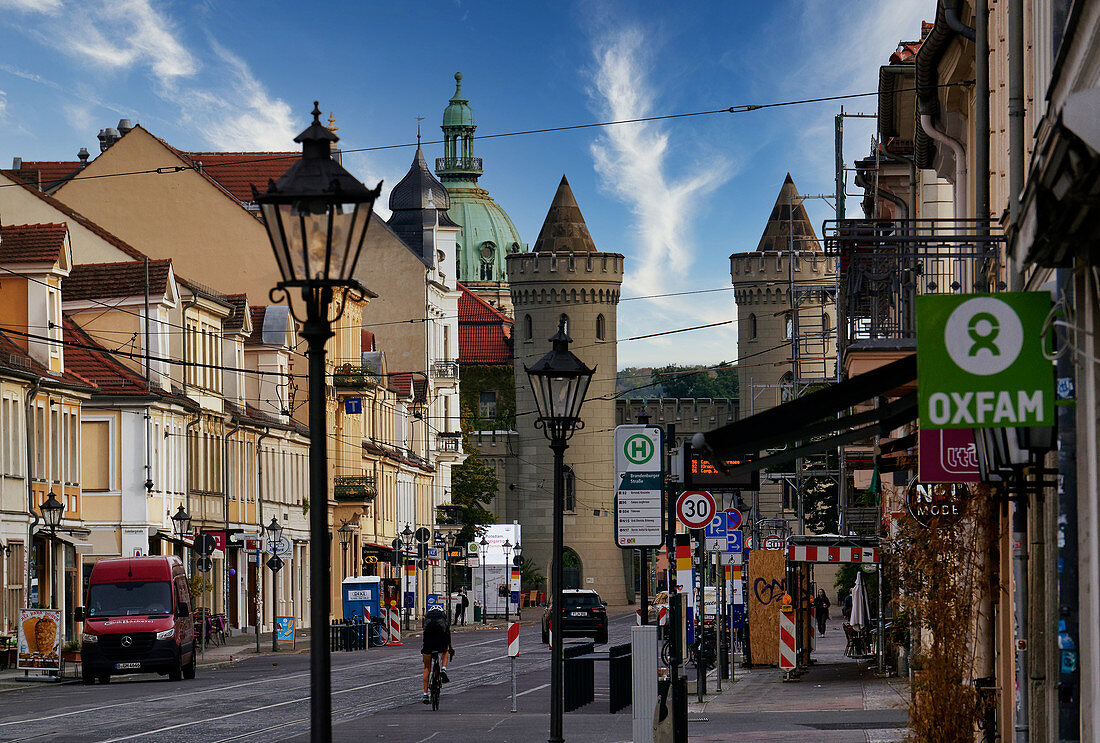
{"x": 847, "y": 608}
{"x": 821, "y": 610}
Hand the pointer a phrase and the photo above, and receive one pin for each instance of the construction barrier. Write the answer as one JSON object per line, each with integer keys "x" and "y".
{"x": 786, "y": 641}
{"x": 513, "y": 639}
{"x": 395, "y": 627}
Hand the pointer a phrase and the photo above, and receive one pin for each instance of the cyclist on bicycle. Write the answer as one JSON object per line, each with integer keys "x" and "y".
{"x": 437, "y": 639}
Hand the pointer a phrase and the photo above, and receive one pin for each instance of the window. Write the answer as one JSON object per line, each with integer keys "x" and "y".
{"x": 528, "y": 333}
{"x": 488, "y": 405}
{"x": 752, "y": 326}
{"x": 16, "y": 567}
{"x": 826, "y": 322}
{"x": 600, "y": 327}
{"x": 564, "y": 320}
{"x": 570, "y": 489}
{"x": 790, "y": 328}
{"x": 96, "y": 463}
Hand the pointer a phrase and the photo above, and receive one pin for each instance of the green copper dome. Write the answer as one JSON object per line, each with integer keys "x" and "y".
{"x": 487, "y": 235}
{"x": 458, "y": 113}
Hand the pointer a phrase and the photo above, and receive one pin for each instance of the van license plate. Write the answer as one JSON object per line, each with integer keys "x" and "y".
{"x": 126, "y": 666}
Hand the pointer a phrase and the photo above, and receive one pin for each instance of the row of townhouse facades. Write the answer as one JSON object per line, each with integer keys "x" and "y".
{"x": 983, "y": 171}
{"x": 144, "y": 369}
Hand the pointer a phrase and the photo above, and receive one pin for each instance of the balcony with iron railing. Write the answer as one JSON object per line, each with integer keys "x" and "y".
{"x": 445, "y": 370}
{"x": 349, "y": 377}
{"x": 444, "y": 165}
{"x": 354, "y": 489}
{"x": 445, "y": 444}
{"x": 886, "y": 264}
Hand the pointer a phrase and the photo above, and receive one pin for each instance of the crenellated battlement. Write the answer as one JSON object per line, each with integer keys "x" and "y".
{"x": 585, "y": 278}
{"x": 777, "y": 266}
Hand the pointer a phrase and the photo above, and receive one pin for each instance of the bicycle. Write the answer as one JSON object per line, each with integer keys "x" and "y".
{"x": 435, "y": 681}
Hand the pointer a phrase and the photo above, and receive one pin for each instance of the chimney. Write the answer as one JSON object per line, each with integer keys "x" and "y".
{"x": 124, "y": 126}
{"x": 17, "y": 163}
{"x": 107, "y": 137}
{"x": 83, "y": 155}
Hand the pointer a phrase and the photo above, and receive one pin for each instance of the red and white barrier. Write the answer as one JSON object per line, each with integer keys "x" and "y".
{"x": 662, "y": 616}
{"x": 797, "y": 553}
{"x": 513, "y": 639}
{"x": 786, "y": 641}
{"x": 395, "y": 627}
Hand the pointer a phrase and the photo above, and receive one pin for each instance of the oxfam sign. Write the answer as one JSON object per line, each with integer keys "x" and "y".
{"x": 981, "y": 361}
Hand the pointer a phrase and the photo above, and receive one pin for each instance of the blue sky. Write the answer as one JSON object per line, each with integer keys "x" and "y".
{"x": 676, "y": 197}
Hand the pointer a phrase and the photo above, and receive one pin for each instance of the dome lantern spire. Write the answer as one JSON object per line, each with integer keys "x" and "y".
{"x": 458, "y": 162}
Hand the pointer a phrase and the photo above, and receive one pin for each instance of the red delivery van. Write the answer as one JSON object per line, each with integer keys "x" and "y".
{"x": 137, "y": 619}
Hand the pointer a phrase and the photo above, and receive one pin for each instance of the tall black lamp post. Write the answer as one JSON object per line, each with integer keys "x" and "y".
{"x": 484, "y": 594}
{"x": 517, "y": 560}
{"x": 346, "y": 532}
{"x": 507, "y": 580}
{"x": 275, "y": 535}
{"x": 559, "y": 381}
{"x": 406, "y": 549}
{"x": 316, "y": 216}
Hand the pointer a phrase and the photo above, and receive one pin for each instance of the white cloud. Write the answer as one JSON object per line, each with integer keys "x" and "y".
{"x": 122, "y": 34}
{"x": 3, "y": 104}
{"x": 234, "y": 111}
{"x": 48, "y": 7}
{"x": 634, "y": 161}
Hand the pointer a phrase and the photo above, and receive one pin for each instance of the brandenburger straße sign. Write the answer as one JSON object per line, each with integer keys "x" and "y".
{"x": 981, "y": 360}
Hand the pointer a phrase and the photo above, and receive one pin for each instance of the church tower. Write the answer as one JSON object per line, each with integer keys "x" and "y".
{"x": 488, "y": 236}
{"x": 565, "y": 276}
{"x": 786, "y": 321}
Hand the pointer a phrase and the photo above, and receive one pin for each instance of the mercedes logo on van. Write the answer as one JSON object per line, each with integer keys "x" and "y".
{"x": 127, "y": 641}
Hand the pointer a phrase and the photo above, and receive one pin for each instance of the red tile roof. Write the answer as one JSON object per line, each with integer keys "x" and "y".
{"x": 45, "y": 173}
{"x": 32, "y": 243}
{"x": 484, "y": 332}
{"x": 15, "y": 358}
{"x": 235, "y": 321}
{"x": 237, "y": 172}
{"x": 907, "y": 50}
{"x": 85, "y": 357}
{"x": 401, "y": 383}
{"x": 114, "y": 280}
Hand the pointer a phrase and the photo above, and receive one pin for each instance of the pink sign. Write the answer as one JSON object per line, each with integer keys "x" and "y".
{"x": 947, "y": 455}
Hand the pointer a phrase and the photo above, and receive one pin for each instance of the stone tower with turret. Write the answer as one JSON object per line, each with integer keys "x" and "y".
{"x": 786, "y": 322}
{"x": 565, "y": 275}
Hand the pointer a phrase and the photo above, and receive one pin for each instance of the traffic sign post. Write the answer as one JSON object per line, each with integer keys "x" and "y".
{"x": 695, "y": 508}
{"x": 639, "y": 469}
{"x": 513, "y": 651}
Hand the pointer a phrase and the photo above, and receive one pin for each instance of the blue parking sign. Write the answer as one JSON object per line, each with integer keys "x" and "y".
{"x": 717, "y": 526}
{"x": 734, "y": 541}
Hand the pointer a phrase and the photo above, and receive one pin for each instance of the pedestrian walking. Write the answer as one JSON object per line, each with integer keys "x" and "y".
{"x": 846, "y": 610}
{"x": 821, "y": 610}
{"x": 460, "y": 606}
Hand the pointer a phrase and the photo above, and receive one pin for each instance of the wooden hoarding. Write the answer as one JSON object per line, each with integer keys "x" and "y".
{"x": 766, "y": 573}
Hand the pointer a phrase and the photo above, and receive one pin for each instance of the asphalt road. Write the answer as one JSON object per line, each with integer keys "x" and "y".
{"x": 375, "y": 696}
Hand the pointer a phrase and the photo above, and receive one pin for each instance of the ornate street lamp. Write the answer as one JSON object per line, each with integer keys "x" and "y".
{"x": 559, "y": 381}
{"x": 181, "y": 523}
{"x": 52, "y": 509}
{"x": 275, "y": 535}
{"x": 316, "y": 217}
{"x": 484, "y": 596}
{"x": 507, "y": 580}
{"x": 346, "y": 532}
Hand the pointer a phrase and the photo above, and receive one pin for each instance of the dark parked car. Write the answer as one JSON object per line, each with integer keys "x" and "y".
{"x": 583, "y": 614}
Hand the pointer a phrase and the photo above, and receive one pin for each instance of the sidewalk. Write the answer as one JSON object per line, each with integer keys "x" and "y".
{"x": 838, "y": 699}
{"x": 235, "y": 649}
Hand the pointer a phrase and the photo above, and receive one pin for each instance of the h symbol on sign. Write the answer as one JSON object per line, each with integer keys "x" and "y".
{"x": 639, "y": 449}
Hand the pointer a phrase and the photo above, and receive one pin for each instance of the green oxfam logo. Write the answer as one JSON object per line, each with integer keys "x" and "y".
{"x": 983, "y": 336}
{"x": 638, "y": 449}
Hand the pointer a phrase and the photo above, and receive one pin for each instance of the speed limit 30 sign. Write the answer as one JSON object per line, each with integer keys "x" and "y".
{"x": 695, "y": 508}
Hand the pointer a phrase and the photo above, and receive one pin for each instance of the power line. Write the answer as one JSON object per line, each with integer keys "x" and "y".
{"x": 735, "y": 109}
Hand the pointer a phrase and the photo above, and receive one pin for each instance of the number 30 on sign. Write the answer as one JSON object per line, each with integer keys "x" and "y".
{"x": 695, "y": 508}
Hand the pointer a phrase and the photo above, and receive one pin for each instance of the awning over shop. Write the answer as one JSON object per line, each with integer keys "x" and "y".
{"x": 816, "y": 414}
{"x": 79, "y": 541}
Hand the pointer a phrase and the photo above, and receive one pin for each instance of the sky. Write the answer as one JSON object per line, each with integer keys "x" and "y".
{"x": 675, "y": 196}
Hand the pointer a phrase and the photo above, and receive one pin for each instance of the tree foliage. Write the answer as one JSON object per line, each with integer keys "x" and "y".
{"x": 679, "y": 381}
{"x": 474, "y": 484}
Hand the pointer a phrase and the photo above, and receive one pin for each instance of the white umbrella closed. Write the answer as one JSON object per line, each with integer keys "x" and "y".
{"x": 860, "y": 611}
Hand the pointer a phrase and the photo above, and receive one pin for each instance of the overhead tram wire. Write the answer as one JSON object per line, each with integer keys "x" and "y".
{"x": 736, "y": 109}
